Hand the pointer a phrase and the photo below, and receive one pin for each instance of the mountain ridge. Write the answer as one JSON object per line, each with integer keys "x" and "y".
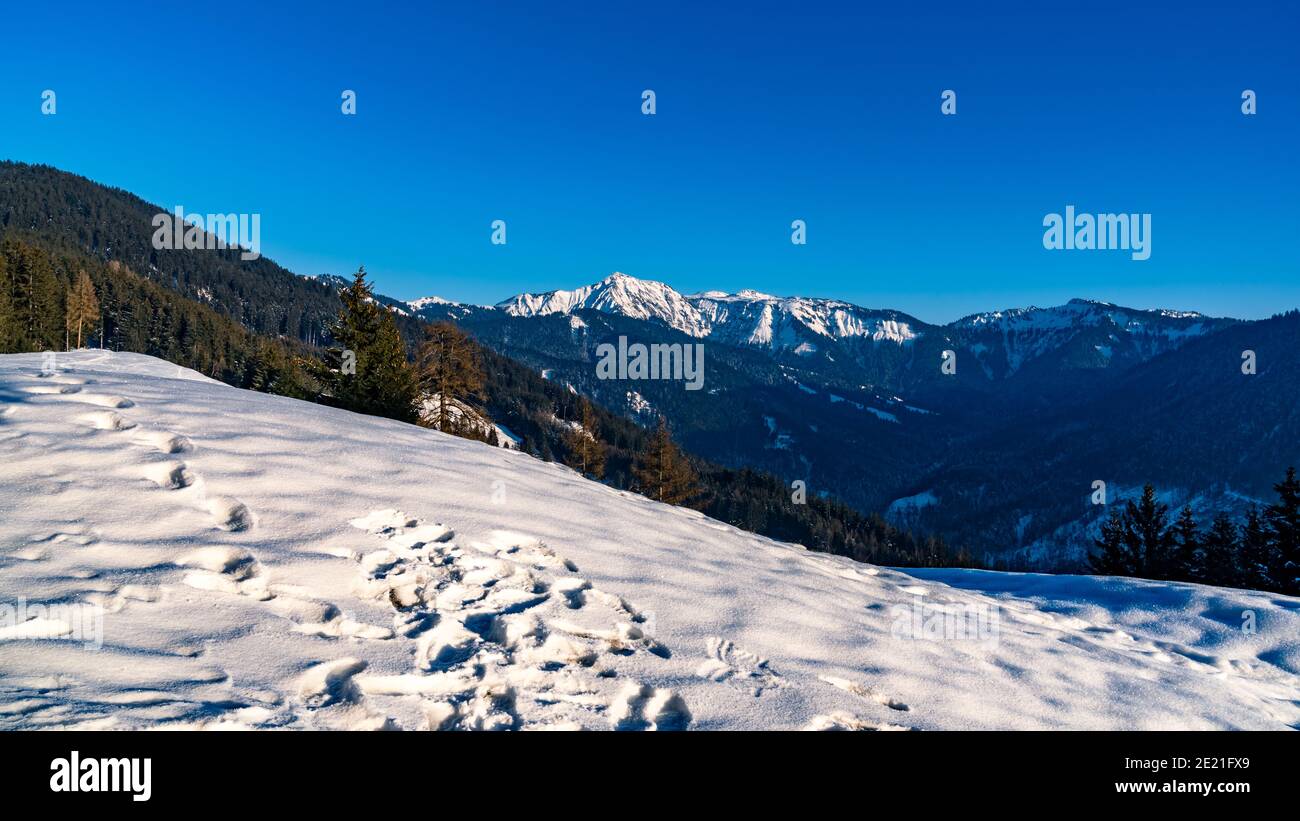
{"x": 641, "y": 298}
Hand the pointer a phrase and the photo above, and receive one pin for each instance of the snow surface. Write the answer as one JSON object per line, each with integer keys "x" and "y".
{"x": 265, "y": 562}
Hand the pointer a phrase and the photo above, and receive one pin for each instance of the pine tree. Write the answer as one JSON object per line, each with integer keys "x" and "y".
{"x": 1255, "y": 557}
{"x": 585, "y": 452}
{"x": 662, "y": 471}
{"x": 1150, "y": 538}
{"x": 390, "y": 380}
{"x": 1220, "y": 547}
{"x": 1283, "y": 520}
{"x": 450, "y": 371}
{"x": 83, "y": 307}
{"x": 366, "y": 368}
{"x": 1187, "y": 559}
{"x": 1114, "y": 558}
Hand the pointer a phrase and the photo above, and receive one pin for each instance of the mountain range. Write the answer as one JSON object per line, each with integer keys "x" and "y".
{"x": 999, "y": 455}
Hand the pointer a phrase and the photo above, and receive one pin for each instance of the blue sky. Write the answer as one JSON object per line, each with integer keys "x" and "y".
{"x": 531, "y": 113}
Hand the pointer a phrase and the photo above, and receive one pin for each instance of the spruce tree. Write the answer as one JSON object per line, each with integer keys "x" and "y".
{"x": 366, "y": 367}
{"x": 1255, "y": 559}
{"x": 1114, "y": 557}
{"x": 1150, "y": 538}
{"x": 390, "y": 382}
{"x": 1187, "y": 559}
{"x": 1220, "y": 547}
{"x": 662, "y": 471}
{"x": 1283, "y": 520}
{"x": 356, "y": 327}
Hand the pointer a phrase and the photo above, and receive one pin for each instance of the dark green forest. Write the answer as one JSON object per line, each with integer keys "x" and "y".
{"x": 1262, "y": 553}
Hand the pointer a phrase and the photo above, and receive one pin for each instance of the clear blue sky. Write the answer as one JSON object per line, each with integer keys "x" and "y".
{"x": 530, "y": 112}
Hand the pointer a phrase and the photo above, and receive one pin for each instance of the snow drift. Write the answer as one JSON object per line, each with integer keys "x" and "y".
{"x": 255, "y": 561}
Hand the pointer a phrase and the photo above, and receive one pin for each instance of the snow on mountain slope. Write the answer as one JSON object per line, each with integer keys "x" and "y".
{"x": 1090, "y": 312}
{"x": 751, "y": 318}
{"x": 1024, "y": 334}
{"x": 745, "y": 318}
{"x": 264, "y": 562}
{"x": 618, "y": 294}
{"x": 425, "y": 301}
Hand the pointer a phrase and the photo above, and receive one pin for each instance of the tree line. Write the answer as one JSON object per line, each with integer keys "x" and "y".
{"x": 59, "y": 299}
{"x": 1260, "y": 553}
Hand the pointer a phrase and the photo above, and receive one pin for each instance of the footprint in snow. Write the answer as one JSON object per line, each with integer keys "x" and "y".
{"x": 230, "y": 514}
{"x": 727, "y": 662}
{"x": 641, "y": 707}
{"x": 235, "y": 571}
{"x": 866, "y": 692}
{"x": 51, "y": 390}
{"x": 107, "y": 420}
{"x": 102, "y": 400}
{"x": 847, "y": 721}
{"x": 491, "y": 650}
{"x": 170, "y": 475}
{"x": 163, "y": 442}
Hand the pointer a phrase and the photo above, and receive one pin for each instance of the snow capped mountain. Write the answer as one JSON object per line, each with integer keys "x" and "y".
{"x": 745, "y": 318}
{"x": 178, "y": 553}
{"x": 616, "y": 294}
{"x": 1002, "y": 341}
{"x": 798, "y": 324}
{"x": 1079, "y": 312}
{"x": 1006, "y": 340}
{"x": 426, "y": 301}
{"x": 754, "y": 318}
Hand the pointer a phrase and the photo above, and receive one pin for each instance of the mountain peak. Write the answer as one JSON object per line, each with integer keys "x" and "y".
{"x": 618, "y": 293}
{"x": 425, "y": 301}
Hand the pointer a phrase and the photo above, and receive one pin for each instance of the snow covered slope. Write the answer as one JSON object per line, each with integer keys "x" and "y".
{"x": 265, "y": 562}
